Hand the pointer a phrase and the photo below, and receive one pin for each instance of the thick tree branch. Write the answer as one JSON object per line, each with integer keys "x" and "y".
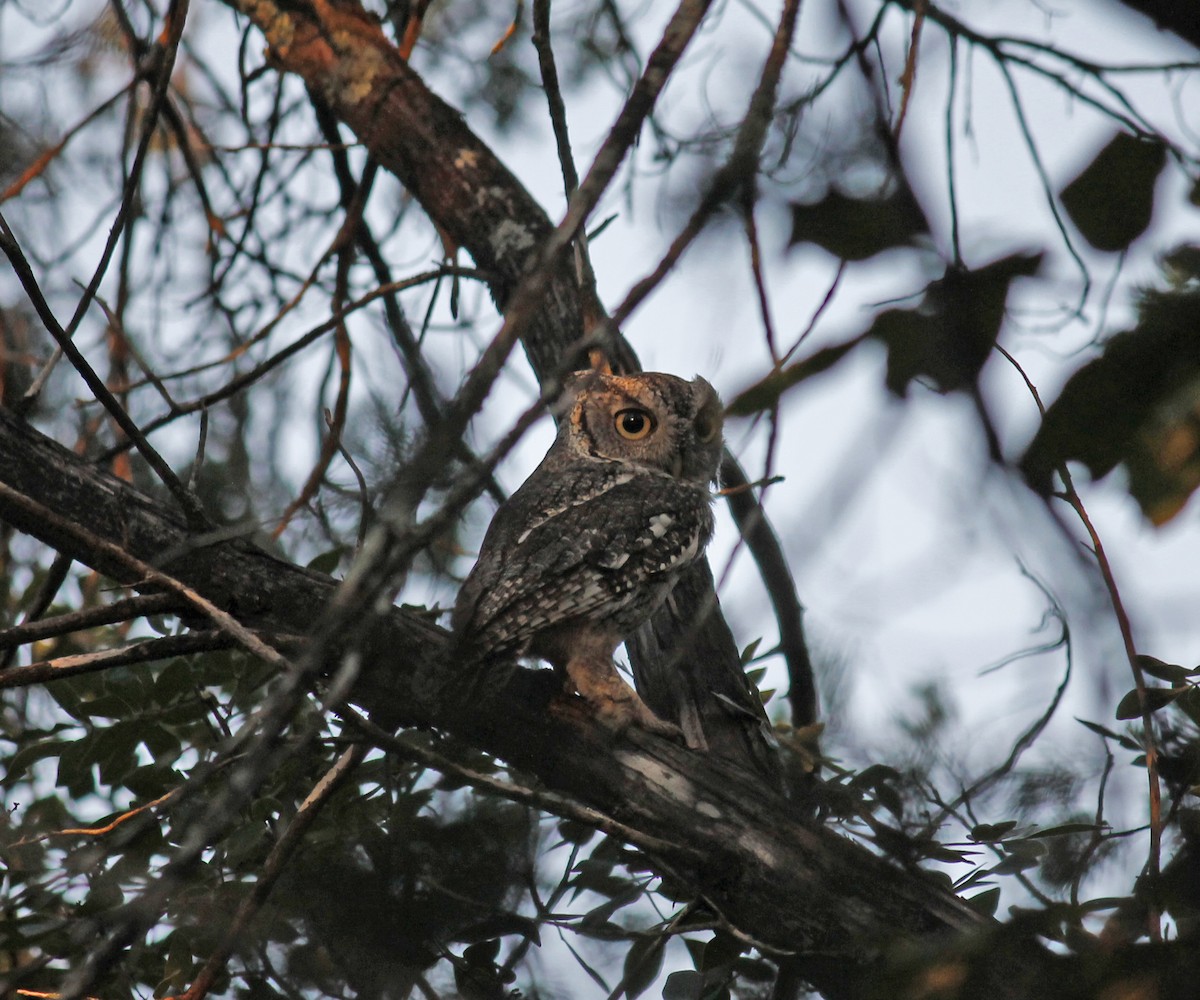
{"x": 733, "y": 839}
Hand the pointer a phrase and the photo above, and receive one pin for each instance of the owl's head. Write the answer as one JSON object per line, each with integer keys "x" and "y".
{"x": 651, "y": 419}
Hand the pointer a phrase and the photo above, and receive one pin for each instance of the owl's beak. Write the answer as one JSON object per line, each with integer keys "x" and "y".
{"x": 677, "y": 466}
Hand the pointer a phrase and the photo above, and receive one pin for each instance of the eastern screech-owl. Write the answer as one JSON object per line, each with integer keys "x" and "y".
{"x": 590, "y": 546}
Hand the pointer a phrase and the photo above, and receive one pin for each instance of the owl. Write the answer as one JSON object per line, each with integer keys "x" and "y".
{"x": 593, "y": 541}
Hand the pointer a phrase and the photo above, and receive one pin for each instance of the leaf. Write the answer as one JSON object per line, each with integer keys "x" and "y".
{"x": 890, "y": 799}
{"x": 67, "y": 699}
{"x": 643, "y": 963}
{"x": 327, "y": 562}
{"x": 988, "y": 832}
{"x": 107, "y": 706}
{"x": 1015, "y": 863}
{"x": 985, "y": 902}
{"x": 603, "y": 913}
{"x": 482, "y": 953}
{"x": 151, "y": 780}
{"x": 1130, "y": 706}
{"x": 1062, "y": 830}
{"x": 684, "y": 985}
{"x": 1112, "y": 200}
{"x": 596, "y": 875}
{"x": 722, "y": 951}
{"x": 765, "y": 394}
{"x": 1125, "y": 741}
{"x": 26, "y": 756}
{"x": 1189, "y": 704}
{"x": 949, "y": 337}
{"x": 574, "y": 832}
{"x": 176, "y": 679}
{"x": 161, "y": 743}
{"x": 115, "y": 750}
{"x": 1170, "y": 672}
{"x": 501, "y": 925}
{"x": 859, "y": 228}
{"x": 874, "y": 774}
{"x": 1137, "y": 404}
{"x": 754, "y": 970}
{"x": 75, "y": 767}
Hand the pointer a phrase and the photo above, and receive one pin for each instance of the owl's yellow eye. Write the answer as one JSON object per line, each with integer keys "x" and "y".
{"x": 634, "y": 424}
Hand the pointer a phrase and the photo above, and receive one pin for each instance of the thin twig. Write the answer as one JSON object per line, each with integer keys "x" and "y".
{"x": 150, "y": 574}
{"x": 1072, "y": 498}
{"x": 187, "y": 501}
{"x": 38, "y": 167}
{"x": 100, "y": 831}
{"x": 908, "y": 78}
{"x": 246, "y": 379}
{"x": 738, "y": 170}
{"x": 75, "y": 621}
{"x": 344, "y": 243}
{"x": 558, "y": 119}
{"x": 44, "y": 671}
{"x": 48, "y": 589}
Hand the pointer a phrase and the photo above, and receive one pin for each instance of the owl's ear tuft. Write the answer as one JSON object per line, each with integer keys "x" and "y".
{"x": 600, "y": 361}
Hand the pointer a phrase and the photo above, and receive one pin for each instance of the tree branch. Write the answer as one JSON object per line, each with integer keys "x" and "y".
{"x": 733, "y": 839}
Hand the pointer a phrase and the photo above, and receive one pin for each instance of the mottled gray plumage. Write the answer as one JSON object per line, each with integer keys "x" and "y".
{"x": 585, "y": 551}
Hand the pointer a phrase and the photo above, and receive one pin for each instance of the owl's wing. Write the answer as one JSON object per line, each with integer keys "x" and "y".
{"x": 584, "y": 548}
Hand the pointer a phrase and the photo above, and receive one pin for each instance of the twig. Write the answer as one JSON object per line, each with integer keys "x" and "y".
{"x": 92, "y": 543}
{"x": 1072, "y": 498}
{"x": 1030, "y": 736}
{"x": 55, "y": 577}
{"x": 39, "y": 165}
{"x": 119, "y": 611}
{"x": 201, "y": 444}
{"x": 558, "y": 120}
{"x": 738, "y": 170}
{"x": 908, "y": 79}
{"x": 760, "y": 281}
{"x": 344, "y": 243}
{"x": 58, "y": 667}
{"x": 243, "y": 381}
{"x": 817, "y": 314}
{"x": 187, "y": 501}
{"x": 777, "y": 578}
{"x": 99, "y": 831}
{"x": 511, "y": 29}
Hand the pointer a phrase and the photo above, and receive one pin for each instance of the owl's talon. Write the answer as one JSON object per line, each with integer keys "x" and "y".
{"x": 620, "y": 715}
{"x": 668, "y": 730}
